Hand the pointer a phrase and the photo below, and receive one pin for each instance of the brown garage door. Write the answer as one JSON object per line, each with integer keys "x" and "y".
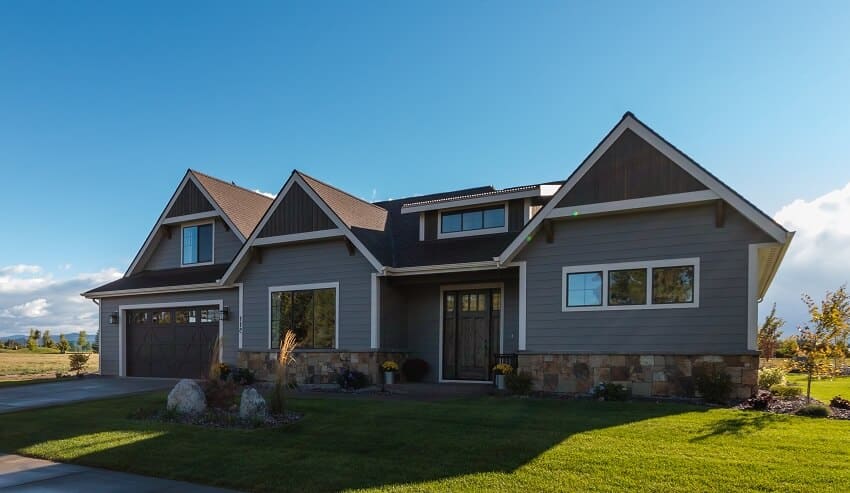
{"x": 171, "y": 342}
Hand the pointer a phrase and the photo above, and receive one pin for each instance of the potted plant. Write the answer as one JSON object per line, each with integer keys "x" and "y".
{"x": 389, "y": 368}
{"x": 501, "y": 370}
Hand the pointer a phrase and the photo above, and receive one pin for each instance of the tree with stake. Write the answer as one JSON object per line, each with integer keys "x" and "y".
{"x": 820, "y": 339}
{"x": 768, "y": 337}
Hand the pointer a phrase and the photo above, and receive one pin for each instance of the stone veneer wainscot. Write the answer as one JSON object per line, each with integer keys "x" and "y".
{"x": 320, "y": 367}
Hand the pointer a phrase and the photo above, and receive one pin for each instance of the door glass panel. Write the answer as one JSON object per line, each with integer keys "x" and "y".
{"x": 450, "y": 302}
{"x": 496, "y": 304}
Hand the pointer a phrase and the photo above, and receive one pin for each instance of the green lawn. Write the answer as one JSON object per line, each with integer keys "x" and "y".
{"x": 482, "y": 444}
{"x": 823, "y": 390}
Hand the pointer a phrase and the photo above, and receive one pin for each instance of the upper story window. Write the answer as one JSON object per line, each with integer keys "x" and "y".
{"x": 631, "y": 285}
{"x": 468, "y": 222}
{"x": 197, "y": 245}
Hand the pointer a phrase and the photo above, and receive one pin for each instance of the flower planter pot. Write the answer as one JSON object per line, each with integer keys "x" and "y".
{"x": 389, "y": 377}
{"x": 500, "y": 382}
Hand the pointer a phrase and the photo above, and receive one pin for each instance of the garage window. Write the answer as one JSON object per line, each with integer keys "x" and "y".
{"x": 309, "y": 311}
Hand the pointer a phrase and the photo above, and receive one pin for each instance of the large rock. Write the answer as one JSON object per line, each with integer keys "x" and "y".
{"x": 187, "y": 397}
{"x": 252, "y": 405}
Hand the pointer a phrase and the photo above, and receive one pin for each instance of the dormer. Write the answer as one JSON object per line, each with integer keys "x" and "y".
{"x": 486, "y": 212}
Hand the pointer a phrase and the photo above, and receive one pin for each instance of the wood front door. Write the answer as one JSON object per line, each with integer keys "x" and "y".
{"x": 471, "y": 321}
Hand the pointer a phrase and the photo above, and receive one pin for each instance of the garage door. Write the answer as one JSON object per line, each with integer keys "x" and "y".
{"x": 171, "y": 342}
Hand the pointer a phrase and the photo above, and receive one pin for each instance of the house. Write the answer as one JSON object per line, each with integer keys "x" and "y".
{"x": 638, "y": 268}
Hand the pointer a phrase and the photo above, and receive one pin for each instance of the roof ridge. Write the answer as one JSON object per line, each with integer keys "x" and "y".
{"x": 229, "y": 183}
{"x": 305, "y": 175}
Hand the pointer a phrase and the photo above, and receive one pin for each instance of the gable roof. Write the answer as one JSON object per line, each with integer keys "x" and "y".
{"x": 630, "y": 122}
{"x": 238, "y": 207}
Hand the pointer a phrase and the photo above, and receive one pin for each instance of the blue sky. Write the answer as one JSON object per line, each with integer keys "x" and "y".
{"x": 103, "y": 106}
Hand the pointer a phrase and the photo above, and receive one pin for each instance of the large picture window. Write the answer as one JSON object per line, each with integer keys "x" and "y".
{"x": 308, "y": 311}
{"x": 198, "y": 244}
{"x": 471, "y": 221}
{"x": 631, "y": 285}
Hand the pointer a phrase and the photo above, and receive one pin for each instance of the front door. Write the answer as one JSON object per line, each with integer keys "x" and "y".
{"x": 471, "y": 321}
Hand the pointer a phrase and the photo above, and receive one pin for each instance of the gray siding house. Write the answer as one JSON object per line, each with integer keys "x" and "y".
{"x": 637, "y": 269}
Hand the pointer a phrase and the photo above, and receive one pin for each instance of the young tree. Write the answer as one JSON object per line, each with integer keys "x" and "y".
{"x": 768, "y": 336}
{"x": 46, "y": 340}
{"x": 788, "y": 348}
{"x": 78, "y": 362}
{"x": 63, "y": 345}
{"x": 32, "y": 339}
{"x": 82, "y": 341}
{"x": 819, "y": 340}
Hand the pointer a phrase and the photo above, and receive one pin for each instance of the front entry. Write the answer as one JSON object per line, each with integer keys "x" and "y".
{"x": 471, "y": 320}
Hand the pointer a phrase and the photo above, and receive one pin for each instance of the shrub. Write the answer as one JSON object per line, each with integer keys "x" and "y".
{"x": 78, "y": 362}
{"x": 610, "y": 392}
{"x": 814, "y": 411}
{"x": 786, "y": 391}
{"x": 351, "y": 379}
{"x": 414, "y": 369}
{"x": 221, "y": 394}
{"x": 519, "y": 383}
{"x": 242, "y": 376}
{"x": 768, "y": 377}
{"x": 224, "y": 371}
{"x": 839, "y": 403}
{"x": 761, "y": 400}
{"x": 713, "y": 383}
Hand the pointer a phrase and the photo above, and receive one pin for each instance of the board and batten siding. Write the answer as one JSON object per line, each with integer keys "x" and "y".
{"x": 309, "y": 263}
{"x": 717, "y": 326}
{"x": 167, "y": 253}
{"x": 109, "y": 332}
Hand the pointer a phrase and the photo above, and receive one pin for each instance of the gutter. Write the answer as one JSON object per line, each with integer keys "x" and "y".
{"x": 163, "y": 289}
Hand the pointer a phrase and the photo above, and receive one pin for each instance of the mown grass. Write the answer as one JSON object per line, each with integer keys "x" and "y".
{"x": 23, "y": 364}
{"x": 505, "y": 444}
{"x": 823, "y": 389}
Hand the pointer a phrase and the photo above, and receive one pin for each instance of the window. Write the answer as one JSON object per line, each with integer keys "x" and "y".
{"x": 627, "y": 287}
{"x": 584, "y": 289}
{"x": 631, "y": 285}
{"x": 673, "y": 284}
{"x": 198, "y": 244}
{"x": 309, "y": 312}
{"x": 456, "y": 223}
{"x": 162, "y": 318}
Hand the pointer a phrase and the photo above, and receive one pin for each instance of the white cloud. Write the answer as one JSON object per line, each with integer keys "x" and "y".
{"x": 267, "y": 194}
{"x": 818, "y": 258}
{"x": 33, "y": 298}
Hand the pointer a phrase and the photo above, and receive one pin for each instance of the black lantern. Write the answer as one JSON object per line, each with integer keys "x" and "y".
{"x": 113, "y": 318}
{"x": 224, "y": 313}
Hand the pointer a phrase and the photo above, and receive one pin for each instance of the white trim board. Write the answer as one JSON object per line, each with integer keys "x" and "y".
{"x": 304, "y": 287}
{"x": 190, "y": 217}
{"x": 122, "y": 326}
{"x": 460, "y": 287}
{"x": 647, "y": 266}
{"x": 375, "y": 312}
{"x": 299, "y": 237}
{"x": 164, "y": 289}
{"x": 634, "y": 204}
{"x": 629, "y": 122}
{"x": 492, "y": 198}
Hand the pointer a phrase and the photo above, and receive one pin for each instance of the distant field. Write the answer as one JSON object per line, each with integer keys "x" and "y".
{"x": 27, "y": 365}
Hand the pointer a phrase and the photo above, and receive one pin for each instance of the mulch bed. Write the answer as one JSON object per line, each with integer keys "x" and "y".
{"x": 791, "y": 405}
{"x": 217, "y": 418}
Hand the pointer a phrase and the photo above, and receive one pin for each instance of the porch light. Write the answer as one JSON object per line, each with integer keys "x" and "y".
{"x": 224, "y": 313}
{"x": 113, "y": 318}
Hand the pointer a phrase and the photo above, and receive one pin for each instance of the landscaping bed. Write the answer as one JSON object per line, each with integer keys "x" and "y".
{"x": 216, "y": 418}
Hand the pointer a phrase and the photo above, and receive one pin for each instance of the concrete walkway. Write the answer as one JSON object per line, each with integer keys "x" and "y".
{"x": 20, "y": 397}
{"x": 21, "y": 474}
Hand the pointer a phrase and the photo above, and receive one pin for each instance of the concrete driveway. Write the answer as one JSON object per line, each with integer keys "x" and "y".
{"x": 21, "y": 474}
{"x": 20, "y": 397}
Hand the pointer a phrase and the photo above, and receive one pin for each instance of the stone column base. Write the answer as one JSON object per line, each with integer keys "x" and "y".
{"x": 319, "y": 367}
{"x": 644, "y": 375}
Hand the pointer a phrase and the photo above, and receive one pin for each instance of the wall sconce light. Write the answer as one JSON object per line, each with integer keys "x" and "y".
{"x": 224, "y": 313}
{"x": 113, "y": 318}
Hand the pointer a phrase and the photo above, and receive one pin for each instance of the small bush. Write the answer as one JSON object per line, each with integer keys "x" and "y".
{"x": 78, "y": 362}
{"x": 761, "y": 400}
{"x": 351, "y": 379}
{"x": 610, "y": 392}
{"x": 768, "y": 377}
{"x": 221, "y": 394}
{"x": 814, "y": 411}
{"x": 839, "y": 403}
{"x": 519, "y": 383}
{"x": 713, "y": 383}
{"x": 414, "y": 369}
{"x": 242, "y": 376}
{"x": 786, "y": 391}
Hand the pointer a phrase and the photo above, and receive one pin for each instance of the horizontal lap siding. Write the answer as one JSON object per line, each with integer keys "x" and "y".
{"x": 167, "y": 253}
{"x": 718, "y": 325}
{"x": 309, "y": 263}
{"x": 109, "y": 332}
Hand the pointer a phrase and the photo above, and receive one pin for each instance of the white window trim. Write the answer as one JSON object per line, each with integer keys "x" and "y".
{"x": 472, "y": 232}
{"x": 191, "y": 225}
{"x": 646, "y": 265}
{"x": 305, "y": 287}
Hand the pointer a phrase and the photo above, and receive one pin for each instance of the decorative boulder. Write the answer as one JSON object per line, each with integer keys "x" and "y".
{"x": 252, "y": 405}
{"x": 187, "y": 397}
